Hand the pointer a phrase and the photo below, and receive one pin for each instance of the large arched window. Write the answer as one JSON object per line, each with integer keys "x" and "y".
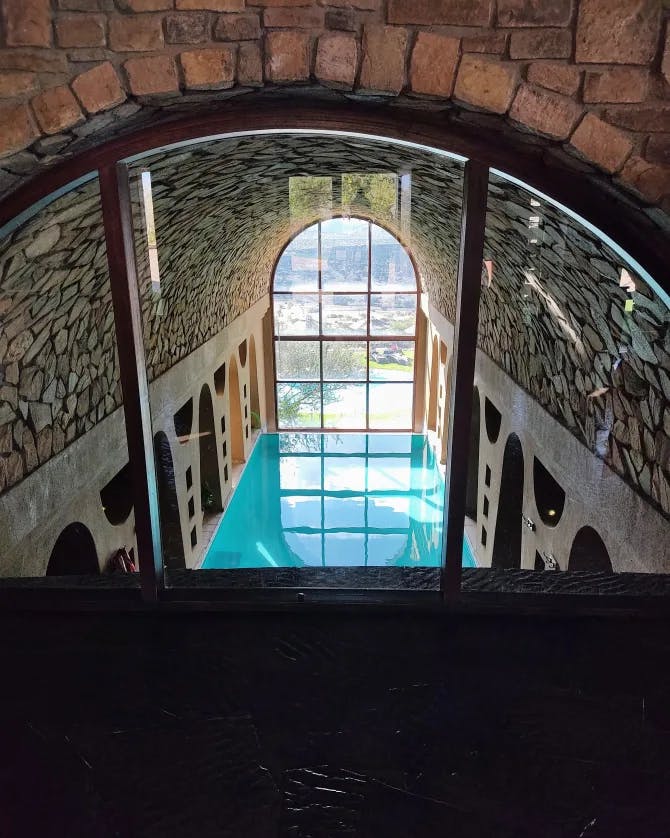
{"x": 345, "y": 303}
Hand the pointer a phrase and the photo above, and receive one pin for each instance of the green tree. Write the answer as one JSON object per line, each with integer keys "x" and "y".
{"x": 376, "y": 193}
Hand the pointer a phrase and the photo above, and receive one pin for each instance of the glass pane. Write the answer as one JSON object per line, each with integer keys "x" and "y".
{"x": 568, "y": 463}
{"x": 296, "y": 314}
{"x": 345, "y": 315}
{"x": 392, "y": 314}
{"x": 391, "y": 267}
{"x": 309, "y": 197}
{"x": 299, "y": 473}
{"x": 344, "y": 255}
{"x": 392, "y": 361}
{"x": 371, "y": 193}
{"x": 344, "y": 359}
{"x": 297, "y": 360}
{"x": 391, "y": 406}
{"x": 298, "y": 266}
{"x": 299, "y": 405}
{"x": 344, "y": 406}
{"x": 66, "y": 505}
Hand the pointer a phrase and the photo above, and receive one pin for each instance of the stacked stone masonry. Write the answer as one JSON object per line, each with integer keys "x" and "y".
{"x": 590, "y": 76}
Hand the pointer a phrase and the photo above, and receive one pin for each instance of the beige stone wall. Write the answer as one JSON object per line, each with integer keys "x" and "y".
{"x": 590, "y": 76}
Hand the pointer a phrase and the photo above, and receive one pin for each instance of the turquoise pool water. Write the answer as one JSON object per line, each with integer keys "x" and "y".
{"x": 335, "y": 500}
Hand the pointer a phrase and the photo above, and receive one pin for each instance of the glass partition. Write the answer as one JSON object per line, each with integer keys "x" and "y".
{"x": 66, "y": 507}
{"x": 569, "y": 467}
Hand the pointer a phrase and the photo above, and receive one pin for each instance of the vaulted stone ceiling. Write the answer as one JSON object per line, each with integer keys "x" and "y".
{"x": 223, "y": 215}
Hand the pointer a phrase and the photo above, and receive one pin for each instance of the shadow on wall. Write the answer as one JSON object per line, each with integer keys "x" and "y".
{"x": 173, "y": 546}
{"x": 74, "y": 553}
{"x": 472, "y": 490}
{"x": 235, "y": 413}
{"x": 589, "y": 552}
{"x": 507, "y": 543}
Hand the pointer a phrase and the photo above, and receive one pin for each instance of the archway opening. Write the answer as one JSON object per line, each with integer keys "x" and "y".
{"x": 210, "y": 482}
{"x": 549, "y": 495}
{"x": 507, "y": 542}
{"x": 345, "y": 301}
{"x": 254, "y": 399}
{"x": 235, "y": 413}
{"x": 588, "y": 553}
{"x": 472, "y": 490}
{"x": 74, "y": 553}
{"x": 432, "y": 387}
{"x": 168, "y": 505}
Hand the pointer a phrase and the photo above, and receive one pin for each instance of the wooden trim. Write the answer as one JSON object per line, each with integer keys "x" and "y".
{"x": 473, "y": 225}
{"x": 118, "y": 223}
{"x": 585, "y": 195}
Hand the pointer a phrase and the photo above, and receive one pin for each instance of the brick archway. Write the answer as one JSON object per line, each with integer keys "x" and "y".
{"x": 587, "y": 82}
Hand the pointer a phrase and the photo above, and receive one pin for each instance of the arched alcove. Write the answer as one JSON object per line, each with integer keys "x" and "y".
{"x": 492, "y": 418}
{"x": 210, "y": 481}
{"x": 235, "y": 413}
{"x": 432, "y": 387}
{"x": 507, "y": 542}
{"x": 588, "y": 553}
{"x": 183, "y": 421}
{"x": 472, "y": 490}
{"x": 242, "y": 352}
{"x": 220, "y": 380}
{"x": 254, "y": 400}
{"x": 116, "y": 496}
{"x": 168, "y": 504}
{"x": 549, "y": 496}
{"x": 74, "y": 553}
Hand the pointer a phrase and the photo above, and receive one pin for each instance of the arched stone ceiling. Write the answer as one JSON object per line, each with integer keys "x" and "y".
{"x": 222, "y": 216}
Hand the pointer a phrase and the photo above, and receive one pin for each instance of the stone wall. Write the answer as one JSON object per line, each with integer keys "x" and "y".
{"x": 58, "y": 365}
{"x": 555, "y": 318}
{"x": 589, "y": 76}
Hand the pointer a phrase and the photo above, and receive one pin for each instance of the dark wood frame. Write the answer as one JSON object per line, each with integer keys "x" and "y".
{"x": 645, "y": 243}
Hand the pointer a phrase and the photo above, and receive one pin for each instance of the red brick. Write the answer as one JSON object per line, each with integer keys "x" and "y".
{"x": 337, "y": 59}
{"x": 250, "y": 65}
{"x": 383, "y": 68}
{"x": 81, "y": 31}
{"x": 56, "y": 109}
{"x": 282, "y": 2}
{"x": 16, "y": 84}
{"x": 287, "y": 56}
{"x": 33, "y": 60}
{"x": 244, "y": 27}
{"x": 153, "y": 75}
{"x": 187, "y": 28}
{"x": 435, "y": 12}
{"x": 211, "y": 5}
{"x": 364, "y": 5}
{"x": 652, "y": 118}
{"x": 601, "y": 143}
{"x": 658, "y": 149}
{"x": 562, "y": 78}
{"x": 144, "y": 5}
{"x": 135, "y": 34}
{"x": 534, "y": 12}
{"x": 16, "y": 129}
{"x": 618, "y": 84}
{"x": 650, "y": 181}
{"x": 547, "y": 43}
{"x": 433, "y": 64}
{"x": 27, "y": 23}
{"x": 99, "y": 88}
{"x": 305, "y": 18}
{"x": 621, "y": 32}
{"x": 486, "y": 83}
{"x": 545, "y": 112}
{"x": 665, "y": 65}
{"x": 493, "y": 43}
{"x": 206, "y": 69}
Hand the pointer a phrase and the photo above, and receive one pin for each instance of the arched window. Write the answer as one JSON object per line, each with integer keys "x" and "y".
{"x": 345, "y": 303}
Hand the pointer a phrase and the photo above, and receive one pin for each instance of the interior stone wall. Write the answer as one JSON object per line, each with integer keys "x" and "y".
{"x": 58, "y": 365}
{"x": 588, "y": 76}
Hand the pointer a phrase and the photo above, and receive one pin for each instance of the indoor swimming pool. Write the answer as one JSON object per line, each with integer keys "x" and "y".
{"x": 335, "y": 499}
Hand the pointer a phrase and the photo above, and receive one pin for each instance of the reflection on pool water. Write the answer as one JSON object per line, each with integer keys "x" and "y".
{"x": 332, "y": 500}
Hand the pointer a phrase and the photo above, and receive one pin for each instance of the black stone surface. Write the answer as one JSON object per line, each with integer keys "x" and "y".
{"x": 333, "y": 725}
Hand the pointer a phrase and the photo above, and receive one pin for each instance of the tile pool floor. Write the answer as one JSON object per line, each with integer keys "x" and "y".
{"x": 335, "y": 499}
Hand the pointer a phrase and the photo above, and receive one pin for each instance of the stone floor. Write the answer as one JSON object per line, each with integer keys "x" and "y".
{"x": 338, "y": 724}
